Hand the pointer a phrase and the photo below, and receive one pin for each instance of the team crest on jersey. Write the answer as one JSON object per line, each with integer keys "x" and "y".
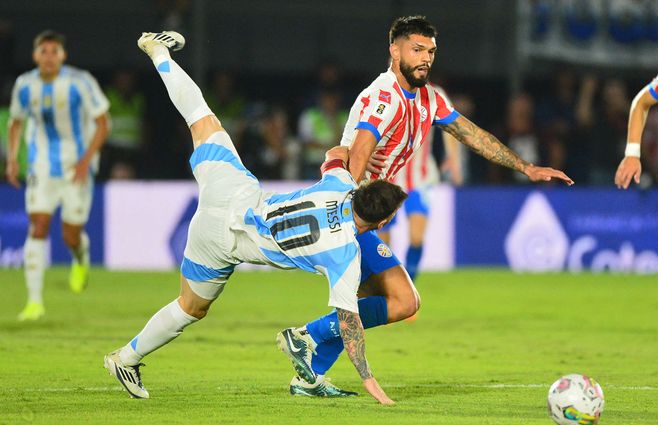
{"x": 423, "y": 114}
{"x": 384, "y": 250}
{"x": 385, "y": 96}
{"x": 380, "y": 108}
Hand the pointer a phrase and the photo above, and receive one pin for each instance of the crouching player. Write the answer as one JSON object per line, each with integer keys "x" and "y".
{"x": 313, "y": 229}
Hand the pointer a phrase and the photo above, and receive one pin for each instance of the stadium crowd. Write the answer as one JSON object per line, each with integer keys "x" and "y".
{"x": 282, "y": 125}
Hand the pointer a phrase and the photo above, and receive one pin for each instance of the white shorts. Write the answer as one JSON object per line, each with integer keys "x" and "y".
{"x": 226, "y": 190}
{"x": 45, "y": 194}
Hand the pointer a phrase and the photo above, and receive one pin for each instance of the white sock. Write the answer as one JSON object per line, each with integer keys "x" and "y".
{"x": 183, "y": 91}
{"x": 164, "y": 326}
{"x": 34, "y": 254}
{"x": 81, "y": 253}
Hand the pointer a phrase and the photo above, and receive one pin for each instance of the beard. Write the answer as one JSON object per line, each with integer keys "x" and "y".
{"x": 408, "y": 73}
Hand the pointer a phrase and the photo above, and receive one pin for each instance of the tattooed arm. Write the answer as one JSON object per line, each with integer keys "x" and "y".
{"x": 353, "y": 335}
{"x": 485, "y": 144}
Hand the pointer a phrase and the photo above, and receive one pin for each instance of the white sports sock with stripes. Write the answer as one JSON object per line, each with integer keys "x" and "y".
{"x": 34, "y": 254}
{"x": 183, "y": 91}
{"x": 164, "y": 326}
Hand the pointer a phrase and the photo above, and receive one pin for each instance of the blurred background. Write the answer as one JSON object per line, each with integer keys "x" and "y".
{"x": 553, "y": 79}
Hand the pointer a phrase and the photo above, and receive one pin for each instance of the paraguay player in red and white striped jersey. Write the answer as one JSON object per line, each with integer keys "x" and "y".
{"x": 417, "y": 178}
{"x": 388, "y": 122}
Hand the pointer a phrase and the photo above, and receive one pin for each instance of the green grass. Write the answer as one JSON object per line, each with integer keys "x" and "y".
{"x": 485, "y": 348}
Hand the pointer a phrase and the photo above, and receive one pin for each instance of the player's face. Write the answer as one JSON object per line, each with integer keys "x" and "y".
{"x": 49, "y": 57}
{"x": 416, "y": 55}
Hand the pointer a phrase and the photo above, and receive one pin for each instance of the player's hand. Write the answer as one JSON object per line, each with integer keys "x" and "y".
{"x": 546, "y": 174}
{"x": 337, "y": 152}
{"x": 376, "y": 391}
{"x": 452, "y": 168}
{"x": 376, "y": 163}
{"x": 629, "y": 169}
{"x": 81, "y": 172}
{"x": 12, "y": 173}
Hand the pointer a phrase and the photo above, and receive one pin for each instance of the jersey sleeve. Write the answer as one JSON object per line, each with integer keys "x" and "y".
{"x": 378, "y": 113}
{"x": 344, "y": 280}
{"x": 93, "y": 99}
{"x": 335, "y": 170}
{"x": 445, "y": 112}
{"x": 20, "y": 100}
{"x": 653, "y": 88}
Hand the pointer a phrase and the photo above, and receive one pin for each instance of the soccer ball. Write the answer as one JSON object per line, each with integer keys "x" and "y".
{"x": 575, "y": 399}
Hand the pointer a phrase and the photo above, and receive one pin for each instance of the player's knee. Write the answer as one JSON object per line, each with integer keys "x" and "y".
{"x": 194, "y": 306}
{"x": 71, "y": 238}
{"x": 39, "y": 229}
{"x": 196, "y": 311}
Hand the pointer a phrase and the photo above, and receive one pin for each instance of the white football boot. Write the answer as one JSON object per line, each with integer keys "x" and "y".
{"x": 170, "y": 39}
{"x": 129, "y": 376}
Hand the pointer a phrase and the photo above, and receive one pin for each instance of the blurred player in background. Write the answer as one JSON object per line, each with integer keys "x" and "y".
{"x": 67, "y": 123}
{"x": 312, "y": 229}
{"x": 392, "y": 118}
{"x": 630, "y": 168}
{"x": 417, "y": 179}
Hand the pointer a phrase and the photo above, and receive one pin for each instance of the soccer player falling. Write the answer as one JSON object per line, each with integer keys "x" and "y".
{"x": 388, "y": 122}
{"x": 60, "y": 103}
{"x": 313, "y": 229}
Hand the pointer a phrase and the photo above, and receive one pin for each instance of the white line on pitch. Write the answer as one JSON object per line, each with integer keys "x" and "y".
{"x": 495, "y": 386}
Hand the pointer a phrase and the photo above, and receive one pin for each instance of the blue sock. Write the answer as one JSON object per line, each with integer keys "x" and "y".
{"x": 414, "y": 254}
{"x": 373, "y": 311}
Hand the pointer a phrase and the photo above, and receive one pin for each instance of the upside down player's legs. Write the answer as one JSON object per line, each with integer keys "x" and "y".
{"x": 185, "y": 95}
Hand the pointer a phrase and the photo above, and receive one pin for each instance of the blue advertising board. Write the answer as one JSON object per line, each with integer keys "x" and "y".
{"x": 557, "y": 229}
{"x": 14, "y": 224}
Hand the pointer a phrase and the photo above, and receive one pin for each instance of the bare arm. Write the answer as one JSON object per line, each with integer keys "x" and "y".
{"x": 630, "y": 167}
{"x": 15, "y": 131}
{"x": 353, "y": 335}
{"x": 362, "y": 148}
{"x": 488, "y": 146}
{"x": 97, "y": 142}
{"x": 452, "y": 161}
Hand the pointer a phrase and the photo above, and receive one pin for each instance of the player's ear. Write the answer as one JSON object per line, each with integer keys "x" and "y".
{"x": 394, "y": 51}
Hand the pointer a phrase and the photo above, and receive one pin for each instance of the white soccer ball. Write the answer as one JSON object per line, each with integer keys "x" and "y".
{"x": 575, "y": 400}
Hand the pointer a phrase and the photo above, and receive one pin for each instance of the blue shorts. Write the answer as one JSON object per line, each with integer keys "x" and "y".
{"x": 376, "y": 256}
{"x": 416, "y": 203}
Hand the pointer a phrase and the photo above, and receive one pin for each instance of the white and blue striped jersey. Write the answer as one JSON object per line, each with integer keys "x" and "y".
{"x": 313, "y": 229}
{"x": 60, "y": 118}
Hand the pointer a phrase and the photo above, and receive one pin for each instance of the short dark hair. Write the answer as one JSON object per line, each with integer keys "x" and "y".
{"x": 405, "y": 26}
{"x": 376, "y": 200}
{"x": 49, "y": 35}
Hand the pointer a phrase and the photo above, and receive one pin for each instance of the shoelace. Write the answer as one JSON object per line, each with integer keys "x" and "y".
{"x": 138, "y": 373}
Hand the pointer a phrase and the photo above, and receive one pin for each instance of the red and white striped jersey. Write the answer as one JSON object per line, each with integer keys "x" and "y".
{"x": 400, "y": 120}
{"x": 421, "y": 170}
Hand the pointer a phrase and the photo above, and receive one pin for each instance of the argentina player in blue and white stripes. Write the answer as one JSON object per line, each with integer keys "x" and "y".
{"x": 312, "y": 229}
{"x": 67, "y": 123}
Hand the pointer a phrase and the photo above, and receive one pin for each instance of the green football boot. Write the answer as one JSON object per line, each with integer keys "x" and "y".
{"x": 321, "y": 388}
{"x": 32, "y": 311}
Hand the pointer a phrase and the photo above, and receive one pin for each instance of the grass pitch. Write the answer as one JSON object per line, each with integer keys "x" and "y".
{"x": 484, "y": 349}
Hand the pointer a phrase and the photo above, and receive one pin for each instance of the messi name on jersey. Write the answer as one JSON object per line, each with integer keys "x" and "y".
{"x": 332, "y": 216}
